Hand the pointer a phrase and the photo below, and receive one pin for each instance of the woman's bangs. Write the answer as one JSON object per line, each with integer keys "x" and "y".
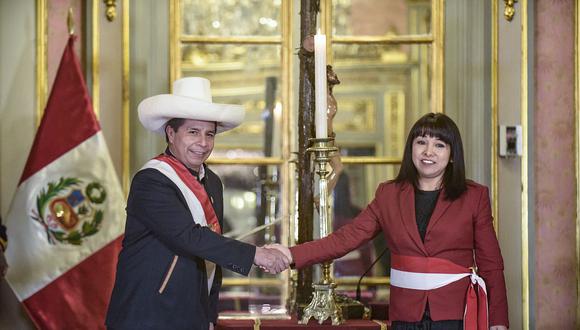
{"x": 433, "y": 130}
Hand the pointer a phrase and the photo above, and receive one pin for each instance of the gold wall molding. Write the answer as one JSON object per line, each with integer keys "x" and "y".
{"x": 577, "y": 148}
{"x": 245, "y": 161}
{"x": 524, "y": 168}
{"x": 524, "y": 175}
{"x": 174, "y": 44}
{"x": 254, "y": 40}
{"x": 287, "y": 181}
{"x": 389, "y": 39}
{"x": 494, "y": 112}
{"x": 367, "y": 160}
{"x": 111, "y": 11}
{"x": 438, "y": 57}
{"x": 325, "y": 18}
{"x": 126, "y": 148}
{"x": 509, "y": 10}
{"x": 95, "y": 56}
{"x": 41, "y": 59}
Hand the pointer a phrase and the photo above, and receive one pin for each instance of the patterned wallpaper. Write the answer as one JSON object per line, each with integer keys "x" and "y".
{"x": 555, "y": 264}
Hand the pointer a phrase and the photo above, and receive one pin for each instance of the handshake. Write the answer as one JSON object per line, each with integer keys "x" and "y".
{"x": 273, "y": 258}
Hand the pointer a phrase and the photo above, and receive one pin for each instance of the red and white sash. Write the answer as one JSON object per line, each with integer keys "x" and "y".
{"x": 198, "y": 201}
{"x": 426, "y": 273}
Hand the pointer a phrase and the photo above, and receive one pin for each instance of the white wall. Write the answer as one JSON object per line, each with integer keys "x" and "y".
{"x": 17, "y": 92}
{"x": 468, "y": 101}
{"x": 17, "y": 120}
{"x": 18, "y": 108}
{"x": 467, "y": 81}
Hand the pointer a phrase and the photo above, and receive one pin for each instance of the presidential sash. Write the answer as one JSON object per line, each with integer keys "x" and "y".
{"x": 426, "y": 273}
{"x": 198, "y": 201}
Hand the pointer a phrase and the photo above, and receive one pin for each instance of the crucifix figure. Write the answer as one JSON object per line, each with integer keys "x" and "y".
{"x": 332, "y": 108}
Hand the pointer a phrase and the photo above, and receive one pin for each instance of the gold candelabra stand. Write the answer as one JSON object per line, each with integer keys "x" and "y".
{"x": 323, "y": 304}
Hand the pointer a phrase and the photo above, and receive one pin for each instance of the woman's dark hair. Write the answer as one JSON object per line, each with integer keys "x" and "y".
{"x": 439, "y": 126}
{"x": 175, "y": 124}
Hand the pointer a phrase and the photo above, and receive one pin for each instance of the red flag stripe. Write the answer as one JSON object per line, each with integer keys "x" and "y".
{"x": 63, "y": 304}
{"x": 72, "y": 119}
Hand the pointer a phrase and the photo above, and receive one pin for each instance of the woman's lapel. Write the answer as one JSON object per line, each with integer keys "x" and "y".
{"x": 440, "y": 208}
{"x": 407, "y": 208}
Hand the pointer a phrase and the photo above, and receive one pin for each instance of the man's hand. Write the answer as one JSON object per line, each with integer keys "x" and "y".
{"x": 3, "y": 264}
{"x": 271, "y": 260}
{"x": 285, "y": 250}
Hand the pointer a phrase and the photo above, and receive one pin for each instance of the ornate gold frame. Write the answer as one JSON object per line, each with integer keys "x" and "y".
{"x": 285, "y": 41}
{"x": 525, "y": 157}
{"x": 525, "y": 170}
{"x": 95, "y": 57}
{"x": 41, "y": 59}
{"x": 577, "y": 147}
{"x": 42, "y": 75}
{"x": 126, "y": 149}
{"x": 438, "y": 60}
{"x": 494, "y": 111}
{"x": 435, "y": 38}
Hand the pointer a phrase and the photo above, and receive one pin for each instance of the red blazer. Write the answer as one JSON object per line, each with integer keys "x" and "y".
{"x": 456, "y": 230}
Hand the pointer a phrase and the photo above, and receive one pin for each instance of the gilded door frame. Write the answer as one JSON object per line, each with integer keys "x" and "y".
{"x": 525, "y": 176}
{"x": 577, "y": 149}
{"x": 94, "y": 33}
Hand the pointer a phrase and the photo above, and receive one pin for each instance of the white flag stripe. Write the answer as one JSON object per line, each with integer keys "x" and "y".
{"x": 34, "y": 262}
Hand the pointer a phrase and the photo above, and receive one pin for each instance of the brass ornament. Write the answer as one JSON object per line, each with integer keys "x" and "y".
{"x": 111, "y": 11}
{"x": 509, "y": 10}
{"x": 323, "y": 304}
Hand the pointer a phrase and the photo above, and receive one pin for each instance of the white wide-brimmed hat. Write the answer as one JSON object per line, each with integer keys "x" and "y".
{"x": 191, "y": 99}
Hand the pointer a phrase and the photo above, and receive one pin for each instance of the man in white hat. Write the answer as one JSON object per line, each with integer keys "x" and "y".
{"x": 169, "y": 269}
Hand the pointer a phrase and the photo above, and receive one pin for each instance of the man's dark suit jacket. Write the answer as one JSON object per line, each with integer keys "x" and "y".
{"x": 159, "y": 227}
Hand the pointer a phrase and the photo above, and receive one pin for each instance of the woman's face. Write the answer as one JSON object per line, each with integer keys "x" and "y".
{"x": 430, "y": 157}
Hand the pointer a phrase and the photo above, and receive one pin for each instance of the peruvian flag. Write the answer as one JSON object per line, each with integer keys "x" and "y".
{"x": 66, "y": 219}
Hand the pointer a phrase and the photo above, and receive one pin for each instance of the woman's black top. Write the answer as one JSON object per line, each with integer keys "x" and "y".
{"x": 424, "y": 205}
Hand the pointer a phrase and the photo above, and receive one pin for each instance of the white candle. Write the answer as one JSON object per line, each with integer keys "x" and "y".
{"x": 320, "y": 118}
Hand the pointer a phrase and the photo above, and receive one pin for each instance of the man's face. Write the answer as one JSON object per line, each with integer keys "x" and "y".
{"x": 193, "y": 142}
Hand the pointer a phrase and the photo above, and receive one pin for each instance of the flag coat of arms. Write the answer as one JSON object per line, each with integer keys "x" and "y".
{"x": 66, "y": 220}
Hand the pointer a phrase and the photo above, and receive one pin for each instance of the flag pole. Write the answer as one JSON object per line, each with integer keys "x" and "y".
{"x": 70, "y": 22}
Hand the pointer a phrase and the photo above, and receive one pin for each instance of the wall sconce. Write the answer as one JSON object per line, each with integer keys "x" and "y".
{"x": 509, "y": 10}
{"x": 111, "y": 9}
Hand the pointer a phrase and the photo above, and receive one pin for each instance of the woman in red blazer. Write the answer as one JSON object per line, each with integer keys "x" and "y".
{"x": 430, "y": 215}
